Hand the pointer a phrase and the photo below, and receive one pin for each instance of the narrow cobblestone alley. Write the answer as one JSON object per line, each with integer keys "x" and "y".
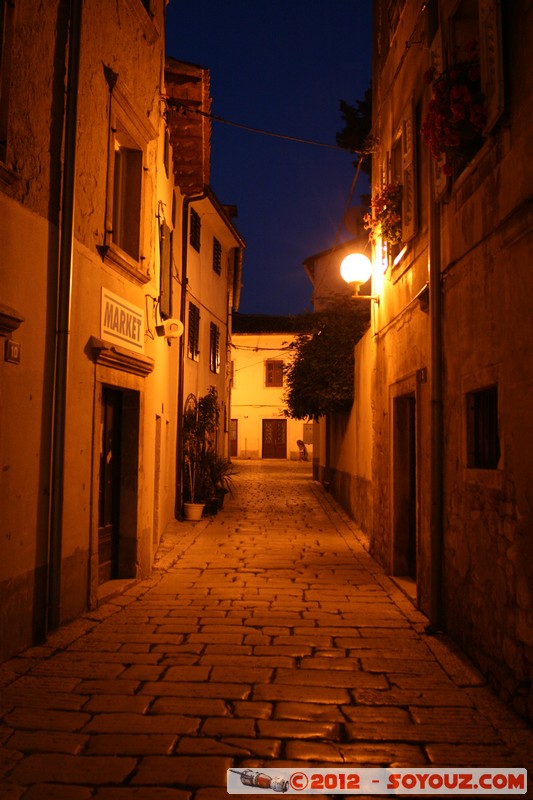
{"x": 266, "y": 636}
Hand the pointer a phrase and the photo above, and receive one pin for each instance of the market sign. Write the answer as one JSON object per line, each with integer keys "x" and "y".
{"x": 121, "y": 322}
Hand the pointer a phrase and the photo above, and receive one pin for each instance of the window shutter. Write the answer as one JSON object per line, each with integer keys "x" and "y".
{"x": 165, "y": 296}
{"x": 491, "y": 59}
{"x": 440, "y": 180}
{"x": 409, "y": 174}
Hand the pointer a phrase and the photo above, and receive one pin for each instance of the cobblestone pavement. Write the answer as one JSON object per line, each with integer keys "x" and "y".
{"x": 266, "y": 636}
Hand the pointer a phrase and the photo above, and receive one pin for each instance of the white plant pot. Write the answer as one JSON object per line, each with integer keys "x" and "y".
{"x": 193, "y": 511}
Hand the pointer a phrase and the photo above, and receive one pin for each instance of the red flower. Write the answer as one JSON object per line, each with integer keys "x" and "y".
{"x": 456, "y": 114}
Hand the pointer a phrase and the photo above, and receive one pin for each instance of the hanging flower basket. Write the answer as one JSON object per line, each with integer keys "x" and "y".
{"x": 457, "y": 113}
{"x": 385, "y": 221}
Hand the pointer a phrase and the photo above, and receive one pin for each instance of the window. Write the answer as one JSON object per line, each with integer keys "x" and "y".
{"x": 165, "y": 277}
{"x": 482, "y": 434}
{"x": 402, "y": 169}
{"x": 475, "y": 30}
{"x": 193, "y": 341}
{"x": 6, "y": 38}
{"x": 273, "y": 373}
{"x": 129, "y": 136}
{"x": 127, "y": 188}
{"x": 217, "y": 256}
{"x": 214, "y": 348}
{"x": 194, "y": 233}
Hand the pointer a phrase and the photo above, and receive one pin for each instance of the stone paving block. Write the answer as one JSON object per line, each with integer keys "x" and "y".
{"x": 8, "y": 759}
{"x": 308, "y": 711}
{"x": 199, "y": 706}
{"x": 347, "y": 679}
{"x": 78, "y": 669}
{"x": 56, "y": 791}
{"x": 107, "y": 687}
{"x": 146, "y": 793}
{"x": 44, "y": 719}
{"x": 133, "y": 744}
{"x": 107, "y": 703}
{"x": 188, "y": 673}
{"x": 297, "y": 729}
{"x": 330, "y": 662}
{"x": 47, "y": 742}
{"x": 251, "y": 661}
{"x": 230, "y": 691}
{"x": 302, "y": 694}
{"x": 252, "y": 709}
{"x": 141, "y": 723}
{"x": 183, "y": 771}
{"x": 242, "y": 673}
{"x": 410, "y": 697}
{"x": 398, "y": 665}
{"x": 265, "y": 748}
{"x": 53, "y": 768}
{"x": 177, "y": 627}
{"x": 58, "y": 701}
{"x": 473, "y": 754}
{"x": 208, "y": 746}
{"x": 225, "y": 726}
{"x": 293, "y": 650}
{"x": 143, "y": 672}
{"x": 187, "y": 647}
{"x": 217, "y": 638}
{"x": 418, "y": 733}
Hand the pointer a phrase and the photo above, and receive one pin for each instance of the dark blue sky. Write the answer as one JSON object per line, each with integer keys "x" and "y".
{"x": 282, "y": 66}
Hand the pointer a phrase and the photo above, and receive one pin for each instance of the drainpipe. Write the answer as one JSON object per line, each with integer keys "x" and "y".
{"x": 437, "y": 435}
{"x": 64, "y": 299}
{"x": 178, "y": 502}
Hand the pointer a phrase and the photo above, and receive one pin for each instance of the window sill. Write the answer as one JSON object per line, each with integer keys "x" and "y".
{"x": 120, "y": 260}
{"x": 7, "y": 176}
{"x": 488, "y": 478}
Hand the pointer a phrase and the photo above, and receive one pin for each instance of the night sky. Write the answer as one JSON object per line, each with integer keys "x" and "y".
{"x": 280, "y": 66}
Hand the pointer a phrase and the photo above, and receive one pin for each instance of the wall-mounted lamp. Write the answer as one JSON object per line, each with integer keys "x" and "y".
{"x": 356, "y": 269}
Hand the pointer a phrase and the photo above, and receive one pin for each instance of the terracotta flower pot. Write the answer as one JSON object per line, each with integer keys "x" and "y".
{"x": 193, "y": 511}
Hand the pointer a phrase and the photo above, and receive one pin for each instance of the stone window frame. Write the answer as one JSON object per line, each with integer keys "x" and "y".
{"x": 217, "y": 256}
{"x": 193, "y": 332}
{"x": 274, "y": 373}
{"x": 195, "y": 230}
{"x": 131, "y": 135}
{"x": 214, "y": 348}
{"x": 471, "y": 383}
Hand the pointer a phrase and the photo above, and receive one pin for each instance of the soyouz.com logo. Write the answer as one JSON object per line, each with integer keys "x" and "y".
{"x": 397, "y": 781}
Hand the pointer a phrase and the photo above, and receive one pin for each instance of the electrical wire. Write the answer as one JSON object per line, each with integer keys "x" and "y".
{"x": 185, "y": 109}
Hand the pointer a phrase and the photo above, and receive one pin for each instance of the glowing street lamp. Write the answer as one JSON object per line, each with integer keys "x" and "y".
{"x": 356, "y": 269}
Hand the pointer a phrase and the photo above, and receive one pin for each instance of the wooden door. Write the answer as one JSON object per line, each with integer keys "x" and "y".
{"x": 274, "y": 438}
{"x": 233, "y": 437}
{"x": 109, "y": 505}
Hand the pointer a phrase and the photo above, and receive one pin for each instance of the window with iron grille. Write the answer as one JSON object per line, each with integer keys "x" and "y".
{"x": 214, "y": 348}
{"x": 193, "y": 342}
{"x": 273, "y": 373}
{"x": 217, "y": 256}
{"x": 482, "y": 432}
{"x": 194, "y": 234}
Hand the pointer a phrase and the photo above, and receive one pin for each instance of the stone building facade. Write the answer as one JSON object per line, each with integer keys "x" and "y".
{"x": 259, "y": 425}
{"x": 92, "y": 257}
{"x": 446, "y": 370}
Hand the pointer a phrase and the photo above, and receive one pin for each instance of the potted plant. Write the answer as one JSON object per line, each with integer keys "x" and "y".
{"x": 457, "y": 113}
{"x": 385, "y": 221}
{"x": 221, "y": 469}
{"x": 200, "y": 423}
